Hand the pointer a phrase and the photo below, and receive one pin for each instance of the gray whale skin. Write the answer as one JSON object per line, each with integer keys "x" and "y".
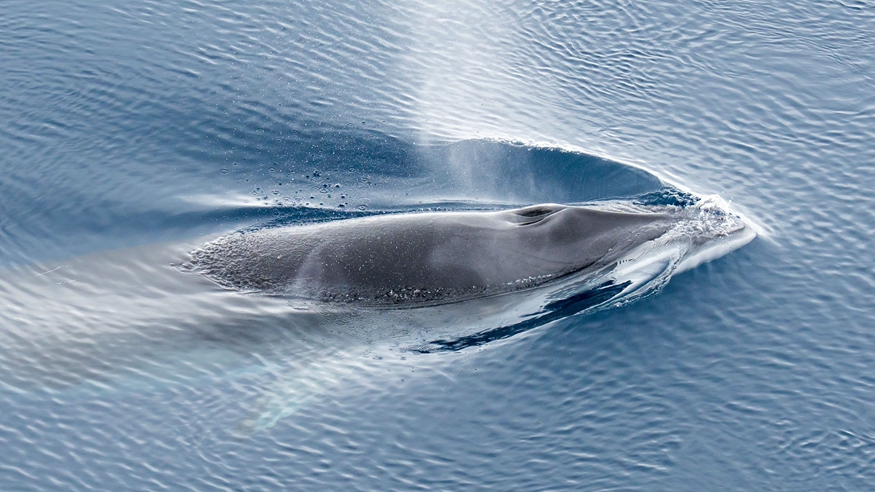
{"x": 427, "y": 258}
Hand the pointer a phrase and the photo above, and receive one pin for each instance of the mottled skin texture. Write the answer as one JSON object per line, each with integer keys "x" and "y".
{"x": 429, "y": 257}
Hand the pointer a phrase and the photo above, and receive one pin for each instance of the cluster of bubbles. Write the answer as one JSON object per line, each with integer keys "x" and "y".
{"x": 314, "y": 189}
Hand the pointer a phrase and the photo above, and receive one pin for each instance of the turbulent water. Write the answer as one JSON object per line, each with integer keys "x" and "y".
{"x": 136, "y": 133}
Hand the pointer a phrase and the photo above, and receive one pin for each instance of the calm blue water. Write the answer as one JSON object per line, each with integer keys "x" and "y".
{"x": 131, "y": 133}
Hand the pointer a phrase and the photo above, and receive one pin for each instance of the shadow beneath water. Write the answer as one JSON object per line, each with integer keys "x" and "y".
{"x": 553, "y": 311}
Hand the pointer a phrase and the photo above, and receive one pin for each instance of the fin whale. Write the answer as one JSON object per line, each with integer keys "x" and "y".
{"x": 432, "y": 258}
{"x": 130, "y": 319}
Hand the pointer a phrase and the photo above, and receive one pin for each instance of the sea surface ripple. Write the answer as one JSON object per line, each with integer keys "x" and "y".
{"x": 130, "y": 131}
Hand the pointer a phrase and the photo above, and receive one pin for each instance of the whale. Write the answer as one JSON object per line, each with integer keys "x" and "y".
{"x": 299, "y": 309}
{"x": 413, "y": 260}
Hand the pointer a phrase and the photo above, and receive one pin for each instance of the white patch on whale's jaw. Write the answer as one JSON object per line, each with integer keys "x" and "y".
{"x": 716, "y": 248}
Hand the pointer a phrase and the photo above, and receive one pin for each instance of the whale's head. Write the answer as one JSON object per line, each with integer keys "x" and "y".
{"x": 678, "y": 235}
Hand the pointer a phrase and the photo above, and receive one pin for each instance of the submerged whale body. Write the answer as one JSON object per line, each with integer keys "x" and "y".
{"x": 420, "y": 259}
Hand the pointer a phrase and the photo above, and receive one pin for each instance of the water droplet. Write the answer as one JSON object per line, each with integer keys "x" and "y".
{"x": 223, "y": 171}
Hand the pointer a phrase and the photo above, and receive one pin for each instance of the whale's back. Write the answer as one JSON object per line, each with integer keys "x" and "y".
{"x": 425, "y": 257}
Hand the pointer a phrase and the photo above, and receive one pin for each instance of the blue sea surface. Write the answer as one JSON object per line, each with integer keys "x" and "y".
{"x": 133, "y": 132}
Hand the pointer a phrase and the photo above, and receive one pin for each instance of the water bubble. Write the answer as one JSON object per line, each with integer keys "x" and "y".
{"x": 224, "y": 171}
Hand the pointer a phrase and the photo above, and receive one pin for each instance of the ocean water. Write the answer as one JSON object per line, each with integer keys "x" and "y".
{"x": 133, "y": 132}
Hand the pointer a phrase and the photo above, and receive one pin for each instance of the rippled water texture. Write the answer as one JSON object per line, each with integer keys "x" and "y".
{"x": 133, "y": 133}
